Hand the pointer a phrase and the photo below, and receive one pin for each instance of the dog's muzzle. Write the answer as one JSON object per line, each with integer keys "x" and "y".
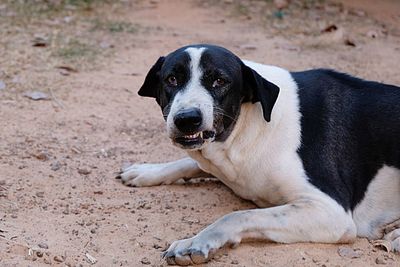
{"x": 189, "y": 124}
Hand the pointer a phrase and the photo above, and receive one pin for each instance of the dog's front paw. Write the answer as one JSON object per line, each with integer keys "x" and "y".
{"x": 142, "y": 175}
{"x": 196, "y": 250}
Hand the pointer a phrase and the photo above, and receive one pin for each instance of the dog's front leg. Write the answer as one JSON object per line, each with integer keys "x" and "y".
{"x": 303, "y": 221}
{"x": 160, "y": 173}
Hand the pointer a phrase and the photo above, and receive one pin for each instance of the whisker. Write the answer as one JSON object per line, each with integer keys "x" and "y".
{"x": 220, "y": 111}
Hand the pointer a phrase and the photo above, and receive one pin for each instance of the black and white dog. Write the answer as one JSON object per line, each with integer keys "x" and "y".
{"x": 318, "y": 151}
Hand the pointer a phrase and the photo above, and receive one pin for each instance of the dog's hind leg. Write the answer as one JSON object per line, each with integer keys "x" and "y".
{"x": 160, "y": 173}
{"x": 378, "y": 215}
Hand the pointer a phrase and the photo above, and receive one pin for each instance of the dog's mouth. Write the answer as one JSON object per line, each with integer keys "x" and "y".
{"x": 196, "y": 140}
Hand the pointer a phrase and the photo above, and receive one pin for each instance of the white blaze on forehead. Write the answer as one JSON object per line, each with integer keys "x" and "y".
{"x": 193, "y": 95}
{"x": 195, "y": 56}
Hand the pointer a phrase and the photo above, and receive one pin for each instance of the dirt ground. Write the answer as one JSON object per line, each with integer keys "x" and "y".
{"x": 59, "y": 201}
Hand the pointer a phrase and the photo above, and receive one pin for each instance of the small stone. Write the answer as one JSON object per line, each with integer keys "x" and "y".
{"x": 36, "y": 95}
{"x": 157, "y": 246}
{"x": 55, "y": 166}
{"x": 349, "y": 252}
{"x": 43, "y": 245}
{"x": 105, "y": 45}
{"x": 42, "y": 155}
{"x": 39, "y": 254}
{"x": 14, "y": 216}
{"x": 40, "y": 41}
{"x": 372, "y": 34}
{"x": 145, "y": 261}
{"x": 2, "y": 85}
{"x": 235, "y": 262}
{"x": 90, "y": 258}
{"x": 58, "y": 258}
{"x": 93, "y": 231}
{"x": 40, "y": 194}
{"x": 380, "y": 260}
{"x": 84, "y": 171}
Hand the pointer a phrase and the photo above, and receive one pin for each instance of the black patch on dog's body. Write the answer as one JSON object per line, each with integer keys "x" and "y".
{"x": 350, "y": 128}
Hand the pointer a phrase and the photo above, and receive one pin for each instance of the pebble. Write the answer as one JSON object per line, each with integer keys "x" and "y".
{"x": 55, "y": 166}
{"x": 380, "y": 260}
{"x": 42, "y": 155}
{"x": 84, "y": 171}
{"x": 145, "y": 261}
{"x": 58, "y": 258}
{"x": 235, "y": 262}
{"x": 43, "y": 245}
{"x": 2, "y": 85}
{"x": 349, "y": 252}
{"x": 36, "y": 95}
{"x": 90, "y": 258}
{"x": 372, "y": 34}
{"x": 157, "y": 246}
{"x": 40, "y": 194}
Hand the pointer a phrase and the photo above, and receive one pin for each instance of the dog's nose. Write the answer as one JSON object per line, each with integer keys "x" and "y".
{"x": 188, "y": 120}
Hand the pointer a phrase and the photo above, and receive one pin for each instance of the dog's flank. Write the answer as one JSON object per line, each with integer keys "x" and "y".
{"x": 306, "y": 147}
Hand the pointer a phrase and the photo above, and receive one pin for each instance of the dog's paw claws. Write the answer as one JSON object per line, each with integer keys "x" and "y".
{"x": 188, "y": 252}
{"x": 170, "y": 260}
{"x": 198, "y": 257}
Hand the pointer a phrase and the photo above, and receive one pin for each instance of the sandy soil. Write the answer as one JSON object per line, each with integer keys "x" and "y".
{"x": 59, "y": 201}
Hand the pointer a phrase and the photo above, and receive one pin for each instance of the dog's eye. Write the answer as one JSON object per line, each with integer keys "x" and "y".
{"x": 218, "y": 83}
{"x": 172, "y": 81}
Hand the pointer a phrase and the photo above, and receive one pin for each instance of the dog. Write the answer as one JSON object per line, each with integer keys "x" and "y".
{"x": 317, "y": 151}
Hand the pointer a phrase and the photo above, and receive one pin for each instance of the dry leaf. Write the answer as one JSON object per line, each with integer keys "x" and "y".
{"x": 349, "y": 42}
{"x": 67, "y": 68}
{"x": 383, "y": 244}
{"x": 330, "y": 28}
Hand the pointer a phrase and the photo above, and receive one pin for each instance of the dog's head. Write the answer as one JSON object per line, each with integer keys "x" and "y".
{"x": 200, "y": 89}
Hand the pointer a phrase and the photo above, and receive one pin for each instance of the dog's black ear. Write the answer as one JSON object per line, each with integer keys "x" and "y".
{"x": 256, "y": 88}
{"x": 152, "y": 81}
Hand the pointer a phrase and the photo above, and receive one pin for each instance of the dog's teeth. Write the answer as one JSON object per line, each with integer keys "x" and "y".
{"x": 201, "y": 135}
{"x": 192, "y": 136}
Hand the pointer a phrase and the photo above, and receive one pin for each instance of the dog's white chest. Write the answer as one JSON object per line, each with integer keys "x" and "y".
{"x": 253, "y": 163}
{"x": 232, "y": 173}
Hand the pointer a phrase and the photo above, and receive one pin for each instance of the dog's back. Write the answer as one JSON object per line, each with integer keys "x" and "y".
{"x": 350, "y": 129}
